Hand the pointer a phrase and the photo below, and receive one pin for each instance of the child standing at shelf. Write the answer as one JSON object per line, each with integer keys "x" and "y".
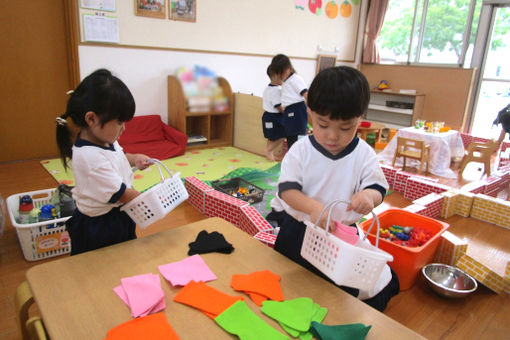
{"x": 294, "y": 92}
{"x": 271, "y": 119}
{"x": 332, "y": 164}
{"x": 99, "y": 106}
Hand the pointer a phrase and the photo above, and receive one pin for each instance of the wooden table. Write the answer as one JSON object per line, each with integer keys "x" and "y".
{"x": 444, "y": 146}
{"x": 76, "y": 300}
{"x": 374, "y": 127}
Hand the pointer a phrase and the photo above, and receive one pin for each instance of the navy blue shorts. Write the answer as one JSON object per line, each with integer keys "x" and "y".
{"x": 272, "y": 126}
{"x": 89, "y": 233}
{"x": 289, "y": 242}
{"x": 295, "y": 119}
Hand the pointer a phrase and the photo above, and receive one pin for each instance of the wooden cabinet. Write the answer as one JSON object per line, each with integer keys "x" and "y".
{"x": 215, "y": 126}
{"x": 395, "y": 117}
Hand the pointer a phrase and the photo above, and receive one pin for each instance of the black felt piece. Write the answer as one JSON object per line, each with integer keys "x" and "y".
{"x": 210, "y": 242}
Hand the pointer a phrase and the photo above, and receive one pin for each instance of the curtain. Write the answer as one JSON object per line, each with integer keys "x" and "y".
{"x": 375, "y": 20}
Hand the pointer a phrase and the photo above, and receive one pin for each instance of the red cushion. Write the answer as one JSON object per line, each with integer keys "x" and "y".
{"x": 365, "y": 124}
{"x": 160, "y": 149}
{"x": 150, "y": 136}
{"x": 142, "y": 129}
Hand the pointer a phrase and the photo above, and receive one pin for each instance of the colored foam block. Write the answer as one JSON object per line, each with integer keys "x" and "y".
{"x": 492, "y": 210}
{"x": 267, "y": 239}
{"x": 449, "y": 206}
{"x": 400, "y": 183}
{"x": 418, "y": 187}
{"x": 389, "y": 173}
{"x": 482, "y": 273}
{"x": 252, "y": 222}
{"x": 196, "y": 190}
{"x": 218, "y": 204}
{"x": 450, "y": 249}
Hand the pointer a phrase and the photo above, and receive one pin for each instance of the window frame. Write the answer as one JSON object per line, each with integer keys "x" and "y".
{"x": 421, "y": 29}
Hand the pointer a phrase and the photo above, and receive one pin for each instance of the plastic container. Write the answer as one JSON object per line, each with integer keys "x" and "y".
{"x": 43, "y": 239}
{"x": 408, "y": 261}
{"x": 358, "y": 266}
{"x": 155, "y": 203}
{"x": 231, "y": 186}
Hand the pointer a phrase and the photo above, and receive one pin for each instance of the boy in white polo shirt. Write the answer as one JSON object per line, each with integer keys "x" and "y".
{"x": 332, "y": 164}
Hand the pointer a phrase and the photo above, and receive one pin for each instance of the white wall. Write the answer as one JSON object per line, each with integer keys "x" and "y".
{"x": 145, "y": 71}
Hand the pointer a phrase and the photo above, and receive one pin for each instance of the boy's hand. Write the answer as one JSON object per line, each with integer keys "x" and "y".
{"x": 142, "y": 161}
{"x": 362, "y": 202}
{"x": 315, "y": 213}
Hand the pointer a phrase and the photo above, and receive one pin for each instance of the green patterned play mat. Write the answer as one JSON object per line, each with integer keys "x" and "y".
{"x": 205, "y": 164}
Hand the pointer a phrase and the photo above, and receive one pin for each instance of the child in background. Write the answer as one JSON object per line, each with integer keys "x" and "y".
{"x": 294, "y": 91}
{"x": 102, "y": 172}
{"x": 271, "y": 119}
{"x": 331, "y": 164}
{"x": 503, "y": 118}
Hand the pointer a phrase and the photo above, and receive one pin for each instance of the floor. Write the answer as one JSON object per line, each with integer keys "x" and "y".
{"x": 482, "y": 315}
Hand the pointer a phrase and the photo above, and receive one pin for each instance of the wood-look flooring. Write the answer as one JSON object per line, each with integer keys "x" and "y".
{"x": 482, "y": 315}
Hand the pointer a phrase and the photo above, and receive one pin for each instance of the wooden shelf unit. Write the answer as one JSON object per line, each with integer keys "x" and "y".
{"x": 216, "y": 126}
{"x": 392, "y": 116}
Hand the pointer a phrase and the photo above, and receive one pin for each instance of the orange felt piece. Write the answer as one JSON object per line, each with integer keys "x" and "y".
{"x": 153, "y": 326}
{"x": 263, "y": 283}
{"x": 257, "y": 298}
{"x": 209, "y": 300}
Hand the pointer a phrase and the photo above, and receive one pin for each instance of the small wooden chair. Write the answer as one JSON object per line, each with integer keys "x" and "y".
{"x": 480, "y": 152}
{"x": 414, "y": 149}
{"x": 32, "y": 328}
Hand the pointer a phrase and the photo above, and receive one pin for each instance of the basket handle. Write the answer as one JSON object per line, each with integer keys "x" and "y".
{"x": 330, "y": 207}
{"x": 159, "y": 165}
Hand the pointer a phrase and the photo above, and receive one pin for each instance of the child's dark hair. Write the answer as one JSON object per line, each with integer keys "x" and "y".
{"x": 340, "y": 92}
{"x": 503, "y": 118}
{"x": 270, "y": 72}
{"x": 280, "y": 63}
{"x": 100, "y": 92}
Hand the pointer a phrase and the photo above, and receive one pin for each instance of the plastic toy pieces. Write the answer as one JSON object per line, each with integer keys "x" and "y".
{"x": 405, "y": 236}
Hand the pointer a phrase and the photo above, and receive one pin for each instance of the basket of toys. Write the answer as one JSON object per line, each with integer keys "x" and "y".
{"x": 239, "y": 188}
{"x": 42, "y": 238}
{"x": 356, "y": 264}
{"x": 154, "y": 203}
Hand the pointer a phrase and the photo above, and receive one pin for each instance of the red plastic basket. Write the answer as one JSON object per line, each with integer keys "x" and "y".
{"x": 408, "y": 261}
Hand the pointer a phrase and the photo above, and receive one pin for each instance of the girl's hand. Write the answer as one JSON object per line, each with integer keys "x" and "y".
{"x": 142, "y": 161}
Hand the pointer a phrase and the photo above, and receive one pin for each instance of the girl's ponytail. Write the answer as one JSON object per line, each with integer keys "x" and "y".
{"x": 64, "y": 140}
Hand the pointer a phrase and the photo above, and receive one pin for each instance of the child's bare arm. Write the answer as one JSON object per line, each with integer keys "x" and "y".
{"x": 365, "y": 201}
{"x": 128, "y": 195}
{"x": 299, "y": 201}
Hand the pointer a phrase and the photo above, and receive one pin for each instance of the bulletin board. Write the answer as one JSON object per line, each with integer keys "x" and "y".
{"x": 256, "y": 27}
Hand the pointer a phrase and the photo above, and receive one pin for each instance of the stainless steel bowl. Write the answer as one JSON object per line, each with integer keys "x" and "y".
{"x": 449, "y": 281}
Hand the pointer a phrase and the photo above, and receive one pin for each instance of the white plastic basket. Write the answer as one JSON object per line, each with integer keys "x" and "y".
{"x": 358, "y": 266}
{"x": 43, "y": 239}
{"x": 155, "y": 203}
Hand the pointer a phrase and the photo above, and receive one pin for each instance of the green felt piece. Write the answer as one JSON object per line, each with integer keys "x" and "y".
{"x": 240, "y": 320}
{"x": 205, "y": 164}
{"x": 353, "y": 331}
{"x": 297, "y": 314}
{"x": 318, "y": 317}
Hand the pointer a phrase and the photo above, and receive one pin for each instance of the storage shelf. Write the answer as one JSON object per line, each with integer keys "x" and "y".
{"x": 216, "y": 126}
{"x": 395, "y": 117}
{"x": 390, "y": 109}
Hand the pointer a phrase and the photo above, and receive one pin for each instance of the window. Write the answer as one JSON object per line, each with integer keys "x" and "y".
{"x": 429, "y": 31}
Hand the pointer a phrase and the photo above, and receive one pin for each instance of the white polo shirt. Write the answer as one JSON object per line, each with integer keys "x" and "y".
{"x": 271, "y": 98}
{"x": 293, "y": 89}
{"x": 101, "y": 177}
